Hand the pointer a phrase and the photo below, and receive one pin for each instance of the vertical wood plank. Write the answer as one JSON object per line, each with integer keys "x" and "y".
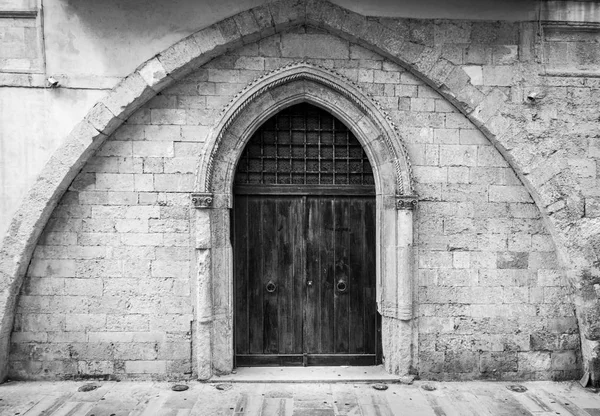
{"x": 255, "y": 272}
{"x": 358, "y": 279}
{"x": 311, "y": 316}
{"x": 298, "y": 214}
{"x": 342, "y": 269}
{"x": 326, "y": 275}
{"x": 270, "y": 257}
{"x": 285, "y": 275}
{"x": 372, "y": 323}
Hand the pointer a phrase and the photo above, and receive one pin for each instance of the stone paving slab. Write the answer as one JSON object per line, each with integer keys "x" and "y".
{"x": 137, "y": 398}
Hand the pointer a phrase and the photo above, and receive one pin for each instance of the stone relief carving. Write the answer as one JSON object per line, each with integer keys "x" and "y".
{"x": 202, "y": 200}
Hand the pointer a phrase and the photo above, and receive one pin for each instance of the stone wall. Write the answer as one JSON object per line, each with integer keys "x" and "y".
{"x": 110, "y": 288}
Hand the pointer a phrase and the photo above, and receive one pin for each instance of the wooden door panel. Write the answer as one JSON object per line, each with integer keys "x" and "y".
{"x": 289, "y": 241}
{"x": 359, "y": 276}
{"x": 268, "y": 249}
{"x": 290, "y": 270}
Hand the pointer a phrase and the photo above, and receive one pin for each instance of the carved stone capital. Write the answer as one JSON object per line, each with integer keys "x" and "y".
{"x": 202, "y": 200}
{"x": 406, "y": 202}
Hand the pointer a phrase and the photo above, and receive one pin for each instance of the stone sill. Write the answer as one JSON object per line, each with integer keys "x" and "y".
{"x": 571, "y": 73}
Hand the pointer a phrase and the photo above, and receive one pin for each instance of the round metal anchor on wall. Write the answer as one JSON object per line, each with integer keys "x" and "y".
{"x": 270, "y": 286}
{"x": 342, "y": 286}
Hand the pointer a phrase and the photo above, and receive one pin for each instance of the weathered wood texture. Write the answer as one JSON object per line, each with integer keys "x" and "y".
{"x": 305, "y": 279}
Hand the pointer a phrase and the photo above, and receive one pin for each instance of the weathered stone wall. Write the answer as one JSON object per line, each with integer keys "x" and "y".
{"x": 109, "y": 290}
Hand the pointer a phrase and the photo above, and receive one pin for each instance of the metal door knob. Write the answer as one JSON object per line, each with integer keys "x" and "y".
{"x": 309, "y": 282}
{"x": 342, "y": 285}
{"x": 271, "y": 286}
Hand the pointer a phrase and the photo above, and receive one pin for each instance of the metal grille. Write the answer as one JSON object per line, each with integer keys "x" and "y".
{"x": 304, "y": 145}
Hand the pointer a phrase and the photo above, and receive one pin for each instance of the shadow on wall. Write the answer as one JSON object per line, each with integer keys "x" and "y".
{"x": 112, "y": 37}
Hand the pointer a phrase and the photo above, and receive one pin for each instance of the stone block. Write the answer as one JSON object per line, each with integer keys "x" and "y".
{"x": 85, "y": 322}
{"x": 319, "y": 46}
{"x": 513, "y": 260}
{"x": 435, "y": 260}
{"x": 475, "y": 137}
{"x": 386, "y": 77}
{"x": 135, "y": 351}
{"x": 534, "y": 361}
{"x": 154, "y": 74}
{"x": 131, "y": 165}
{"x": 152, "y": 165}
{"x": 153, "y": 149}
{"x": 116, "y": 148}
{"x": 475, "y": 73}
{"x": 188, "y": 149}
{"x": 83, "y": 287}
{"x": 128, "y": 95}
{"x": 183, "y": 53}
{"x": 431, "y": 174}
{"x": 46, "y": 322}
{"x": 162, "y": 132}
{"x": 564, "y": 360}
{"x": 143, "y": 182}
{"x": 489, "y": 156}
{"x": 458, "y": 155}
{"x": 142, "y": 212}
{"x": 169, "y": 225}
{"x": 51, "y": 268}
{"x": 518, "y": 295}
{"x": 95, "y": 367}
{"x": 550, "y": 277}
{"x": 146, "y": 367}
{"x": 174, "y": 182}
{"x": 142, "y": 239}
{"x": 500, "y": 75}
{"x": 126, "y": 323}
{"x": 515, "y": 194}
{"x": 180, "y": 165}
{"x": 498, "y": 362}
{"x": 446, "y": 136}
{"x": 460, "y": 361}
{"x": 422, "y": 104}
{"x": 171, "y": 322}
{"x": 114, "y": 182}
{"x": 519, "y": 242}
{"x": 171, "y": 268}
{"x": 490, "y": 106}
{"x": 168, "y": 116}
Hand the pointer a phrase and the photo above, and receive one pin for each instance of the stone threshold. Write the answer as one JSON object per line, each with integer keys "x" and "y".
{"x": 334, "y": 374}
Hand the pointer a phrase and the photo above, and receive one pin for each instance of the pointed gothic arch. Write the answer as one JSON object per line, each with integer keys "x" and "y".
{"x": 395, "y": 201}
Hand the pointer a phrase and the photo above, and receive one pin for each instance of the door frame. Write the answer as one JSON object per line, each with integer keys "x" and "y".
{"x": 213, "y": 351}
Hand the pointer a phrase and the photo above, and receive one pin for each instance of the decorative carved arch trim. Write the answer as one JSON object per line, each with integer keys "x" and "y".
{"x": 298, "y": 71}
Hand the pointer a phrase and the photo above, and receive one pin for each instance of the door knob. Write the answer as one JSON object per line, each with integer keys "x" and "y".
{"x": 342, "y": 285}
{"x": 271, "y": 286}
{"x": 309, "y": 282}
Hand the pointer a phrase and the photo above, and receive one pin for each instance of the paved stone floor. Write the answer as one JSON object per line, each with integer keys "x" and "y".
{"x": 297, "y": 399}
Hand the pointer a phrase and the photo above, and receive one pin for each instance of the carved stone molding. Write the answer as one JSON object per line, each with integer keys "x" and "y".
{"x": 301, "y": 70}
{"x": 406, "y": 202}
{"x": 202, "y": 200}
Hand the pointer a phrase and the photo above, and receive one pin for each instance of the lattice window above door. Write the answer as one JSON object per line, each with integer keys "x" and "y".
{"x": 304, "y": 145}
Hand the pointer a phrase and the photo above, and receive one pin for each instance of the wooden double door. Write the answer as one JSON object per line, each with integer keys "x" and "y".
{"x": 305, "y": 280}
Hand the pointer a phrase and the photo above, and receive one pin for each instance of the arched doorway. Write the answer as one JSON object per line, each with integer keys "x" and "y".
{"x": 304, "y": 245}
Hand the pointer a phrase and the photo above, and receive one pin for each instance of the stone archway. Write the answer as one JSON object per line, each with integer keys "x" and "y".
{"x": 289, "y": 85}
{"x": 574, "y": 235}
